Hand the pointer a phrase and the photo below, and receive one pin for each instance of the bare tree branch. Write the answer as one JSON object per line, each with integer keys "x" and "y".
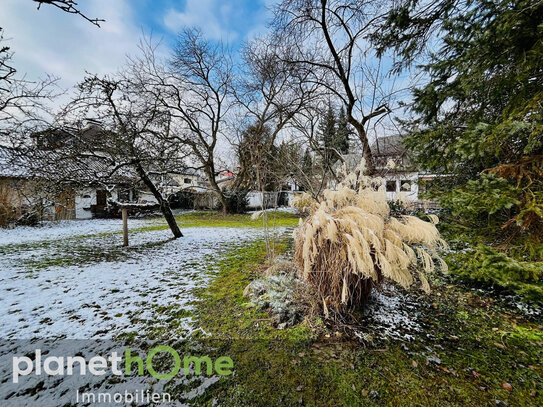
{"x": 69, "y": 6}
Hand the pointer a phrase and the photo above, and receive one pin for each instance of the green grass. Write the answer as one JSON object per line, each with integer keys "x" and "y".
{"x": 481, "y": 345}
{"x": 70, "y": 251}
{"x": 217, "y": 219}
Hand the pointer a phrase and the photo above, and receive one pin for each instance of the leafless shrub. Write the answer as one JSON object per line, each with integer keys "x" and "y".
{"x": 8, "y": 212}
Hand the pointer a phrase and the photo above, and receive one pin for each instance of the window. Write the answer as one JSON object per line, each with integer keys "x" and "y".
{"x": 124, "y": 195}
{"x": 187, "y": 181}
{"x": 405, "y": 185}
{"x": 391, "y": 186}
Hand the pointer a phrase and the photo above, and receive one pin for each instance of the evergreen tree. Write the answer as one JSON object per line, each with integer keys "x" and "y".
{"x": 307, "y": 162}
{"x": 327, "y": 136}
{"x": 480, "y": 117}
{"x": 343, "y": 133}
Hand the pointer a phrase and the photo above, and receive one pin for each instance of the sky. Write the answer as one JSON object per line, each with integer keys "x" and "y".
{"x": 50, "y": 41}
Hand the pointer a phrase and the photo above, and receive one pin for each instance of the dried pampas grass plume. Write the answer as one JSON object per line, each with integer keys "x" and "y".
{"x": 257, "y": 215}
{"x": 350, "y": 244}
{"x": 303, "y": 202}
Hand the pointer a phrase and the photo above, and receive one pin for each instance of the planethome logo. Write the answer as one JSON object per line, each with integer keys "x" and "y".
{"x": 100, "y": 366}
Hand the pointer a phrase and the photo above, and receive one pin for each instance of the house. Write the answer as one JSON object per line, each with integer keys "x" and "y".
{"x": 393, "y": 165}
{"x": 188, "y": 179}
{"x": 400, "y": 178}
{"x": 24, "y": 188}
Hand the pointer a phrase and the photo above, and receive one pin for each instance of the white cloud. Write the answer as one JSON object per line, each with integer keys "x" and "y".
{"x": 211, "y": 16}
{"x": 65, "y": 45}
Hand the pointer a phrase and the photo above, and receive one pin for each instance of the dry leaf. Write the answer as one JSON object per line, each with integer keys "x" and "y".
{"x": 507, "y": 386}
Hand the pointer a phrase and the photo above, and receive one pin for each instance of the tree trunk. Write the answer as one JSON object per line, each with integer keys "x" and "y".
{"x": 218, "y": 191}
{"x": 362, "y": 135}
{"x": 164, "y": 204}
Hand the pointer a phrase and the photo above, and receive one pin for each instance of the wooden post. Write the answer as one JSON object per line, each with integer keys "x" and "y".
{"x": 125, "y": 227}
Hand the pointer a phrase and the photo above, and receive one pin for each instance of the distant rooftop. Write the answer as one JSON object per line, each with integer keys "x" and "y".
{"x": 389, "y": 146}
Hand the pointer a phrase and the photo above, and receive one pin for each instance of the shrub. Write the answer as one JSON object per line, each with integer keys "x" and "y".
{"x": 182, "y": 200}
{"x": 8, "y": 212}
{"x": 350, "y": 244}
{"x": 236, "y": 201}
{"x": 487, "y": 266}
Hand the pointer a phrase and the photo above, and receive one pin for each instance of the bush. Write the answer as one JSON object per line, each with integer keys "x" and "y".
{"x": 8, "y": 212}
{"x": 487, "y": 266}
{"x": 182, "y": 200}
{"x": 350, "y": 244}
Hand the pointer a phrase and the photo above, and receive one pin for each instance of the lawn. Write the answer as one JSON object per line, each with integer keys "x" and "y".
{"x": 469, "y": 348}
{"x": 217, "y": 219}
{"x": 459, "y": 345}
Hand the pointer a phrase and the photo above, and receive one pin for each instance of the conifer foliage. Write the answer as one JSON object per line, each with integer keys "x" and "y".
{"x": 480, "y": 116}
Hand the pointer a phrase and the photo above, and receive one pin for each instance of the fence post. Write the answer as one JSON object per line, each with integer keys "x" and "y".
{"x": 125, "y": 227}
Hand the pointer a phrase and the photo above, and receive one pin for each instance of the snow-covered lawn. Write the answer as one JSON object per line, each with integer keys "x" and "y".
{"x": 74, "y": 280}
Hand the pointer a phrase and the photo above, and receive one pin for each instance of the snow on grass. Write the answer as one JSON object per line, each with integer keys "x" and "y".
{"x": 73, "y": 289}
{"x": 391, "y": 314}
{"x": 69, "y": 228}
{"x": 68, "y": 281}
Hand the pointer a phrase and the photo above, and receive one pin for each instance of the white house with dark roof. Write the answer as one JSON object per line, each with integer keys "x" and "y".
{"x": 400, "y": 178}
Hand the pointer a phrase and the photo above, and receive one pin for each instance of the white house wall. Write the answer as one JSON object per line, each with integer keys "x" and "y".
{"x": 83, "y": 200}
{"x": 146, "y": 197}
{"x": 254, "y": 199}
{"x": 412, "y": 195}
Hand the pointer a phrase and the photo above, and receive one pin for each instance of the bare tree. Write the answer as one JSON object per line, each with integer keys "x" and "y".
{"x": 69, "y": 6}
{"x": 330, "y": 40}
{"x": 132, "y": 136}
{"x": 313, "y": 177}
{"x": 271, "y": 93}
{"x": 196, "y": 88}
{"x": 24, "y": 104}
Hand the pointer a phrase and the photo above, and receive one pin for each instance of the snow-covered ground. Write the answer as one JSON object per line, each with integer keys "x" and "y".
{"x": 392, "y": 314}
{"x": 74, "y": 280}
{"x": 72, "y": 288}
{"x": 68, "y": 228}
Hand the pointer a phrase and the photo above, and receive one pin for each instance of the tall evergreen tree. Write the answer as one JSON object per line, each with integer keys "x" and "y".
{"x": 307, "y": 162}
{"x": 480, "y": 117}
{"x": 327, "y": 136}
{"x": 343, "y": 133}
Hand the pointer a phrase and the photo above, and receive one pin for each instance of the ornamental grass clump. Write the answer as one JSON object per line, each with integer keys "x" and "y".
{"x": 350, "y": 244}
{"x": 303, "y": 202}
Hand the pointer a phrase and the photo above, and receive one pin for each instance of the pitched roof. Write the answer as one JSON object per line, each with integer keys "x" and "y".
{"x": 34, "y": 163}
{"x": 388, "y": 146}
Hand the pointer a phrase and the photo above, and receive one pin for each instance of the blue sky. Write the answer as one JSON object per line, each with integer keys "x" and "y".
{"x": 50, "y": 41}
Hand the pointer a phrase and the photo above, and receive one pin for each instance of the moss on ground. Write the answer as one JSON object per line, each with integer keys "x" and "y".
{"x": 473, "y": 351}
